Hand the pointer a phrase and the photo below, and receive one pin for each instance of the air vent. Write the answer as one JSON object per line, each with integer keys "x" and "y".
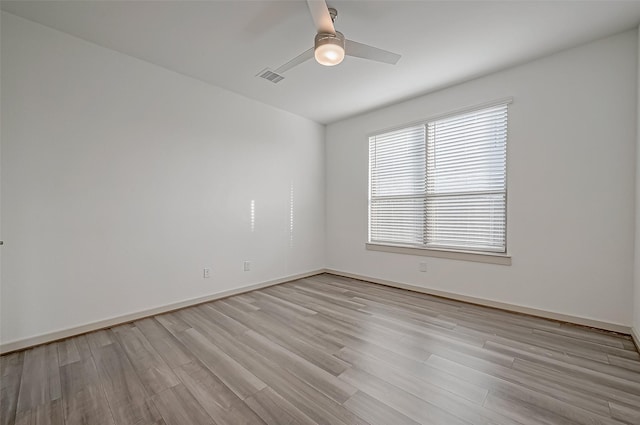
{"x": 268, "y": 74}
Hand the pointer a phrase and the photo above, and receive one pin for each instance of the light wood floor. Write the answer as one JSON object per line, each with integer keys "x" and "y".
{"x": 328, "y": 350}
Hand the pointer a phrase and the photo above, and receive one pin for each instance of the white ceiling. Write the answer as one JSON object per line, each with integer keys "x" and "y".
{"x": 226, "y": 43}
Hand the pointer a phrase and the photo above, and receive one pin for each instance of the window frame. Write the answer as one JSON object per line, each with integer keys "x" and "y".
{"x": 485, "y": 256}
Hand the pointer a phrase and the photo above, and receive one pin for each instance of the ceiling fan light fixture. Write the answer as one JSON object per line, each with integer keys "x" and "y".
{"x": 329, "y": 48}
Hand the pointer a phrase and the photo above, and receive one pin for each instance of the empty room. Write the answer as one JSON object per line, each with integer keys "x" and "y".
{"x": 279, "y": 212}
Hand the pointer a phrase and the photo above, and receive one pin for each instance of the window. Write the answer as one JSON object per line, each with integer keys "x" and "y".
{"x": 441, "y": 184}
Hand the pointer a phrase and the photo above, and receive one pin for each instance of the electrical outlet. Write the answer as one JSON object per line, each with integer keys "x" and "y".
{"x": 206, "y": 273}
{"x": 423, "y": 266}
{"x": 247, "y": 266}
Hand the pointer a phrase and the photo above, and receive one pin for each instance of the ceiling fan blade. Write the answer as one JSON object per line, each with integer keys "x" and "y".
{"x": 302, "y": 57}
{"x": 320, "y": 15}
{"x": 364, "y": 51}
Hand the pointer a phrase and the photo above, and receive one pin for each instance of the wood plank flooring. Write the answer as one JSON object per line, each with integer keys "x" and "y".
{"x": 327, "y": 350}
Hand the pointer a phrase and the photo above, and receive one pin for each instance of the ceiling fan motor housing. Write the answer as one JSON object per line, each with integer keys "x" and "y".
{"x": 327, "y": 38}
{"x": 329, "y": 48}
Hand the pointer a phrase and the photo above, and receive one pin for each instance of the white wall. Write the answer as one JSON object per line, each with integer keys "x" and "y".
{"x": 571, "y": 160}
{"x": 121, "y": 181}
{"x": 636, "y": 277}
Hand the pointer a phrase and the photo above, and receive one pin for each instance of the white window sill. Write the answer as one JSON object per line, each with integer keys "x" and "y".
{"x": 479, "y": 257}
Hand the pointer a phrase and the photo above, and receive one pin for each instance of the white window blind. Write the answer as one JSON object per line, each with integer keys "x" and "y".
{"x": 441, "y": 184}
{"x": 398, "y": 186}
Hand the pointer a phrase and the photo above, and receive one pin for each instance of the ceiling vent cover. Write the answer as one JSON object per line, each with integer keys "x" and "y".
{"x": 268, "y": 74}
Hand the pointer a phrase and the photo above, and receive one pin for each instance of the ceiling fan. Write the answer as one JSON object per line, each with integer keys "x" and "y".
{"x": 330, "y": 46}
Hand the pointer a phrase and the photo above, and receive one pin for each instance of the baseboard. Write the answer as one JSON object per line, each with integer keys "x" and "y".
{"x": 583, "y": 321}
{"x": 635, "y": 335}
{"x": 24, "y": 343}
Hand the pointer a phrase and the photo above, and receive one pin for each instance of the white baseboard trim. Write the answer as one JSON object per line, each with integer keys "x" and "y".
{"x": 21, "y": 344}
{"x": 615, "y": 327}
{"x": 635, "y": 335}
